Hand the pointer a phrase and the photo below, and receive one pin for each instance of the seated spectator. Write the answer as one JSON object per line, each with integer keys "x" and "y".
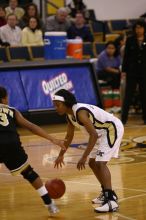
{"x": 75, "y": 6}
{"x": 58, "y": 22}
{"x": 108, "y": 65}
{"x": 31, "y": 10}
{"x": 13, "y": 8}
{"x": 32, "y": 34}
{"x": 2, "y": 16}
{"x": 10, "y": 32}
{"x": 79, "y": 29}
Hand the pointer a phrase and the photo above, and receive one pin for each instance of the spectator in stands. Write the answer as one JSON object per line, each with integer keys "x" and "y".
{"x": 58, "y": 22}
{"x": 134, "y": 67}
{"x": 13, "y": 8}
{"x": 120, "y": 44}
{"x": 75, "y": 6}
{"x": 2, "y": 16}
{"x": 79, "y": 29}
{"x": 31, "y": 10}
{"x": 10, "y": 32}
{"x": 32, "y": 34}
{"x": 108, "y": 65}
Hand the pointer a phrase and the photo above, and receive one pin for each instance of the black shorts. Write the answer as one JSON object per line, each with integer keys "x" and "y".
{"x": 12, "y": 155}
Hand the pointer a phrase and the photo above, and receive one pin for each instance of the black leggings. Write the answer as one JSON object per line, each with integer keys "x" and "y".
{"x": 131, "y": 84}
{"x": 112, "y": 79}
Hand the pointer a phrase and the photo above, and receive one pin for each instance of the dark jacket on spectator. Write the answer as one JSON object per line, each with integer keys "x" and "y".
{"x": 83, "y": 33}
{"x": 134, "y": 62}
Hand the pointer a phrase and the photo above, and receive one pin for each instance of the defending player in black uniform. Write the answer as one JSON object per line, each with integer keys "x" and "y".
{"x": 12, "y": 153}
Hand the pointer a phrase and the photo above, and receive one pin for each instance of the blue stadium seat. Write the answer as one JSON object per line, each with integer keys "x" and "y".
{"x": 88, "y": 50}
{"x": 99, "y": 47}
{"x": 37, "y": 52}
{"x": 118, "y": 25}
{"x": 100, "y": 27}
{"x": 3, "y": 54}
{"x": 19, "y": 53}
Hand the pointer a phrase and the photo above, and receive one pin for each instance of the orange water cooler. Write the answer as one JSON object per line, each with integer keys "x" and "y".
{"x": 75, "y": 48}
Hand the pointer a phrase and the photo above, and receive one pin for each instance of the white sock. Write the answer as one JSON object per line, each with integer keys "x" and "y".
{"x": 42, "y": 191}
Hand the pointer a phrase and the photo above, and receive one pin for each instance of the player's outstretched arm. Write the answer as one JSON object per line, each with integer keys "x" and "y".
{"x": 68, "y": 139}
{"x": 84, "y": 119}
{"x": 35, "y": 129}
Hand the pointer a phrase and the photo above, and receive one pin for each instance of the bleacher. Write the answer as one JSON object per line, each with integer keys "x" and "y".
{"x": 11, "y": 54}
{"x": 102, "y": 30}
{"x": 90, "y": 50}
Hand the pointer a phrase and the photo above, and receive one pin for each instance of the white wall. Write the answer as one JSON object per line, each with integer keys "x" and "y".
{"x": 114, "y": 9}
{"x": 37, "y": 2}
{"x": 117, "y": 9}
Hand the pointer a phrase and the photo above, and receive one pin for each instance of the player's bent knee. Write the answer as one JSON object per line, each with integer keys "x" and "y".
{"x": 29, "y": 174}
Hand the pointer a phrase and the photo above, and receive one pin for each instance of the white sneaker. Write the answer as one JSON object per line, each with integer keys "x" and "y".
{"x": 99, "y": 199}
{"x": 53, "y": 208}
{"x": 109, "y": 206}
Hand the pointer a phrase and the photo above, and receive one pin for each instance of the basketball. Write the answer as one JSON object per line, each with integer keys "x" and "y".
{"x": 56, "y": 188}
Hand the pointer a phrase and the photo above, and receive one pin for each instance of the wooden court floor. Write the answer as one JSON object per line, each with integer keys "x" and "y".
{"x": 18, "y": 200}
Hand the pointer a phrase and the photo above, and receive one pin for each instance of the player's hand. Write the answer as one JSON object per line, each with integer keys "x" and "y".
{"x": 59, "y": 162}
{"x": 60, "y": 143}
{"x": 81, "y": 163}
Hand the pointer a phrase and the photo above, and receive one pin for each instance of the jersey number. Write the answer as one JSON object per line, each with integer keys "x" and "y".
{"x": 3, "y": 119}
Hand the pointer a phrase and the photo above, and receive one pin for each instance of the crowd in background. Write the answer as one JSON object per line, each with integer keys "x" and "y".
{"x": 20, "y": 26}
{"x": 122, "y": 58}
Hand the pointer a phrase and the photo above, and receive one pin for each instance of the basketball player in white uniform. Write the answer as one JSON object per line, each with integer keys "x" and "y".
{"x": 105, "y": 135}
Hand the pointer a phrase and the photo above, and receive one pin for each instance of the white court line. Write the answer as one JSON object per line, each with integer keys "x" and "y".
{"x": 131, "y": 197}
{"x": 121, "y": 200}
{"x": 94, "y": 184}
{"x": 125, "y": 217}
{"x": 81, "y": 183}
{"x": 136, "y": 190}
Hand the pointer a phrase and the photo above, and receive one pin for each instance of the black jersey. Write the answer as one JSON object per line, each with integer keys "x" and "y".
{"x": 8, "y": 131}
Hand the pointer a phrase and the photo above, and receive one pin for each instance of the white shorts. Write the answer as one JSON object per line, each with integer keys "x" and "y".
{"x": 102, "y": 151}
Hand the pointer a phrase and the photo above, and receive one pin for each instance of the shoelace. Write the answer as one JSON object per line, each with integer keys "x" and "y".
{"x": 101, "y": 196}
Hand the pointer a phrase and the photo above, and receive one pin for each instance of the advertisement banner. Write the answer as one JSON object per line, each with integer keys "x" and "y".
{"x": 41, "y": 84}
{"x": 12, "y": 82}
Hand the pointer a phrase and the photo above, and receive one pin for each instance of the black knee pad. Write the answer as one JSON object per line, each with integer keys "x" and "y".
{"x": 29, "y": 174}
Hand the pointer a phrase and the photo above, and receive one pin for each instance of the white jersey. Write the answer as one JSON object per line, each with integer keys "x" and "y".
{"x": 106, "y": 124}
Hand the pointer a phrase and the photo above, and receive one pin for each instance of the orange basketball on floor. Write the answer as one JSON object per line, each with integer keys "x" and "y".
{"x": 56, "y": 188}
